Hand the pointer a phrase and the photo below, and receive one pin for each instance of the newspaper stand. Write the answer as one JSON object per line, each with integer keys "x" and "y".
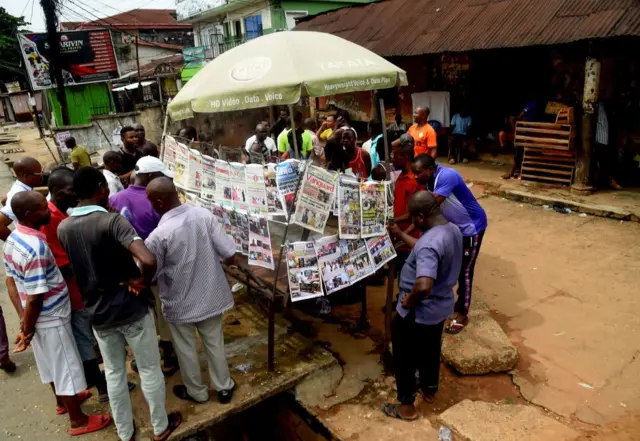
{"x": 277, "y": 70}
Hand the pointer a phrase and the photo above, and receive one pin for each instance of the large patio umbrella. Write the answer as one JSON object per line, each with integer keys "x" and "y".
{"x": 279, "y": 69}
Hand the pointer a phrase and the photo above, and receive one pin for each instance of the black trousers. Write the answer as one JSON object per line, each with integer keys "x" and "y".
{"x": 416, "y": 347}
{"x": 470, "y": 250}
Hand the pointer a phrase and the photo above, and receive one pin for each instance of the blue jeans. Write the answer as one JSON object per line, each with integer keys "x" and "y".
{"x": 81, "y": 326}
{"x": 141, "y": 337}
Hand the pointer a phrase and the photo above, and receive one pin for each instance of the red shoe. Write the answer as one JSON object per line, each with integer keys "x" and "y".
{"x": 94, "y": 423}
{"x": 82, "y": 396}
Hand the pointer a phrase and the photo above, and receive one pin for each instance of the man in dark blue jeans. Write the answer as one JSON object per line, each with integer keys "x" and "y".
{"x": 426, "y": 301}
{"x": 460, "y": 207}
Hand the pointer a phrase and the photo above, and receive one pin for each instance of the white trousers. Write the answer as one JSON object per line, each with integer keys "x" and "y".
{"x": 141, "y": 337}
{"x": 184, "y": 343}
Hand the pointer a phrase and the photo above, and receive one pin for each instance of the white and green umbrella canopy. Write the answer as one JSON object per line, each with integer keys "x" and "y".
{"x": 279, "y": 69}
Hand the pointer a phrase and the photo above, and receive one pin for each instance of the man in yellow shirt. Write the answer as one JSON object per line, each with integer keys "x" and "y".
{"x": 79, "y": 155}
{"x": 326, "y": 129}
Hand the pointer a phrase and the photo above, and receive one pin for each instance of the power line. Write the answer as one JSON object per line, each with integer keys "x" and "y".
{"x": 31, "y": 17}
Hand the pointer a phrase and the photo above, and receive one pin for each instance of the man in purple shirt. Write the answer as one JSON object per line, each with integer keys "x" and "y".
{"x": 426, "y": 301}
{"x": 133, "y": 204}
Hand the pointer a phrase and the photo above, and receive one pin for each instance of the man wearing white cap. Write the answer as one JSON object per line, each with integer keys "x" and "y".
{"x": 134, "y": 205}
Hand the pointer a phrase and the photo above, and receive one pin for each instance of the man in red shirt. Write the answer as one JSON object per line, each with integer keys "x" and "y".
{"x": 63, "y": 197}
{"x": 357, "y": 159}
{"x": 405, "y": 187}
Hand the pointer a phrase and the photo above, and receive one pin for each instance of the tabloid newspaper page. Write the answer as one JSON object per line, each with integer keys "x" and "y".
{"x": 208, "y": 190}
{"x": 373, "y": 207}
{"x": 260, "y": 252}
{"x": 334, "y": 273}
{"x": 356, "y": 259}
{"x": 304, "y": 273}
{"x": 381, "y": 250}
{"x": 194, "y": 181}
{"x": 315, "y": 198}
{"x": 182, "y": 163}
{"x": 256, "y": 191}
{"x": 287, "y": 181}
{"x": 348, "y": 208}
{"x": 274, "y": 203}
{"x": 223, "y": 185}
{"x": 238, "y": 185}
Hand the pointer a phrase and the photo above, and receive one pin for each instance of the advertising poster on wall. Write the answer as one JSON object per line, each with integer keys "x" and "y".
{"x": 256, "y": 191}
{"x": 238, "y": 181}
{"x": 315, "y": 198}
{"x": 304, "y": 273}
{"x": 85, "y": 57}
{"x": 208, "y": 190}
{"x": 260, "y": 252}
{"x": 348, "y": 208}
{"x": 334, "y": 273}
{"x": 373, "y": 208}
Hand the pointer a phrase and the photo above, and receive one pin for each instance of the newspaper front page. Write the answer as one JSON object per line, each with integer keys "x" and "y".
{"x": 182, "y": 163}
{"x": 348, "y": 208}
{"x": 260, "y": 251}
{"x": 256, "y": 191}
{"x": 274, "y": 203}
{"x": 169, "y": 159}
{"x": 381, "y": 250}
{"x": 287, "y": 182}
{"x": 304, "y": 273}
{"x": 238, "y": 185}
{"x": 194, "y": 181}
{"x": 356, "y": 259}
{"x": 373, "y": 208}
{"x": 208, "y": 190}
{"x": 223, "y": 185}
{"x": 315, "y": 198}
{"x": 334, "y": 273}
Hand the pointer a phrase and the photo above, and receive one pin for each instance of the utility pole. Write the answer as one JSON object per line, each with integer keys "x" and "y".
{"x": 55, "y": 69}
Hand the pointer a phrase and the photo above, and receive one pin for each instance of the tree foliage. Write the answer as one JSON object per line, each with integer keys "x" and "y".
{"x": 10, "y": 58}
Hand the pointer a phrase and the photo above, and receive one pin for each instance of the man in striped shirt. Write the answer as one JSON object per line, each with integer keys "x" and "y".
{"x": 188, "y": 245}
{"x": 45, "y": 310}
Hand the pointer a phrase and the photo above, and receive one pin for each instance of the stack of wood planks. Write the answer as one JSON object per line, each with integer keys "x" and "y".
{"x": 9, "y": 138}
{"x": 549, "y": 156}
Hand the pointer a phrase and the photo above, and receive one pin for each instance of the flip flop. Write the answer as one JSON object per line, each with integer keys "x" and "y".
{"x": 455, "y": 327}
{"x": 82, "y": 396}
{"x": 131, "y": 386}
{"x": 94, "y": 423}
{"x": 175, "y": 419}
{"x": 391, "y": 410}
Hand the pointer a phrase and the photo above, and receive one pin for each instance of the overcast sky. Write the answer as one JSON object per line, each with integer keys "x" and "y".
{"x": 96, "y": 8}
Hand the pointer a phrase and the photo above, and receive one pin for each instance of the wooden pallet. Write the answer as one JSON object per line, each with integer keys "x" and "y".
{"x": 549, "y": 156}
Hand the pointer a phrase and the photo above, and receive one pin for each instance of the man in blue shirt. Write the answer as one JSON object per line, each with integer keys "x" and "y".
{"x": 461, "y": 123}
{"x": 426, "y": 301}
{"x": 461, "y": 208}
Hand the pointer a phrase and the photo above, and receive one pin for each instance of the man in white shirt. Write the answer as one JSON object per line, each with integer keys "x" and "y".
{"x": 261, "y": 143}
{"x": 112, "y": 166}
{"x": 28, "y": 173}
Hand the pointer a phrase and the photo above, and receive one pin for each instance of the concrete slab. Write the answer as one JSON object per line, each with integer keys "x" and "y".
{"x": 360, "y": 422}
{"x": 480, "y": 421}
{"x": 482, "y": 347}
{"x": 246, "y": 347}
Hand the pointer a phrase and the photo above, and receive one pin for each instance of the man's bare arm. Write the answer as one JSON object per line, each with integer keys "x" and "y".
{"x": 4, "y": 227}
{"x": 14, "y": 296}
{"x": 421, "y": 290}
{"x": 146, "y": 258}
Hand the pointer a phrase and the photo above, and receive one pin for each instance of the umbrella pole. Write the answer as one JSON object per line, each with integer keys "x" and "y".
{"x": 164, "y": 133}
{"x": 293, "y": 130}
{"x": 384, "y": 135}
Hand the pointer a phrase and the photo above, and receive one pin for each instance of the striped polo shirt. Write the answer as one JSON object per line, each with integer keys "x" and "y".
{"x": 30, "y": 262}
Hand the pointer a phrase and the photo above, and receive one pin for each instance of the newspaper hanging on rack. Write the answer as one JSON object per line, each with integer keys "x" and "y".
{"x": 315, "y": 198}
{"x": 256, "y": 191}
{"x": 169, "y": 158}
{"x": 223, "y": 186}
{"x": 194, "y": 180}
{"x": 208, "y": 190}
{"x": 260, "y": 251}
{"x": 373, "y": 208}
{"x": 304, "y": 273}
{"x": 348, "y": 208}
{"x": 181, "y": 163}
{"x": 287, "y": 182}
{"x": 238, "y": 180}
{"x": 274, "y": 203}
{"x": 381, "y": 250}
{"x": 223, "y": 217}
{"x": 390, "y": 188}
{"x": 356, "y": 259}
{"x": 239, "y": 223}
{"x": 334, "y": 273}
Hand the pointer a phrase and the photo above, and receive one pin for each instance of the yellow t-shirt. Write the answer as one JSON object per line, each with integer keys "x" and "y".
{"x": 79, "y": 155}
{"x": 326, "y": 134}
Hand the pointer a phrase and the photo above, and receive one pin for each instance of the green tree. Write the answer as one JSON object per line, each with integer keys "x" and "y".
{"x": 10, "y": 58}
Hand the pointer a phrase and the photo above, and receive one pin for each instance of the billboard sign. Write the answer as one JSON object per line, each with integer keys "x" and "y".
{"x": 85, "y": 57}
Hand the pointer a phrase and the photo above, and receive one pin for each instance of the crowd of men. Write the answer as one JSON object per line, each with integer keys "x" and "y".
{"x": 107, "y": 263}
{"x": 96, "y": 262}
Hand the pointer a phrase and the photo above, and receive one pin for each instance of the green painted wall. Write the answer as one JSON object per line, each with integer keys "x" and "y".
{"x": 84, "y": 102}
{"x": 279, "y": 22}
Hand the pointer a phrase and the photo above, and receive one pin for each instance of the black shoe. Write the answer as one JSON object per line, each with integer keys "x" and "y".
{"x": 180, "y": 391}
{"x": 225, "y": 396}
{"x": 9, "y": 367}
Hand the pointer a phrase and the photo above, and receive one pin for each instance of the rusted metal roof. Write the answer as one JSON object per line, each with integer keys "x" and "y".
{"x": 414, "y": 27}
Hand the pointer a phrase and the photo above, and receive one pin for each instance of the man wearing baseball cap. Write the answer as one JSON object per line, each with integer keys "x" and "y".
{"x": 134, "y": 205}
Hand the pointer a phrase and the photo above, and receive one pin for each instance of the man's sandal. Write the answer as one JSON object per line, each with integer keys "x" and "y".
{"x": 455, "y": 327}
{"x": 175, "y": 419}
{"x": 94, "y": 423}
{"x": 82, "y": 396}
{"x": 391, "y": 410}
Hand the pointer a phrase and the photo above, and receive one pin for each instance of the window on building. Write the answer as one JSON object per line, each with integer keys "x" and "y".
{"x": 291, "y": 17}
{"x": 253, "y": 26}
